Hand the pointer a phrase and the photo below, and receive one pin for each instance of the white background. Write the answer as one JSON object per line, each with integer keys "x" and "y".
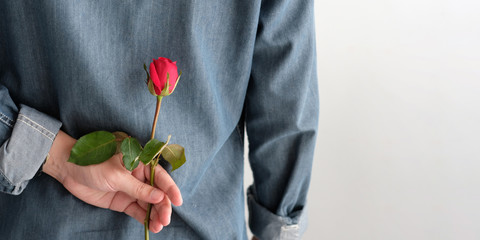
{"x": 398, "y": 152}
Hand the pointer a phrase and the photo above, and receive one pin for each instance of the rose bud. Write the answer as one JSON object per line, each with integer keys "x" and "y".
{"x": 163, "y": 77}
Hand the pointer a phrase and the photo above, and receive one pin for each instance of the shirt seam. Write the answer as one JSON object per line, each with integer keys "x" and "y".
{"x": 37, "y": 127}
{"x": 5, "y": 119}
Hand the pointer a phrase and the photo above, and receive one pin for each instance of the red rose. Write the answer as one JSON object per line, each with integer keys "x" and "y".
{"x": 158, "y": 74}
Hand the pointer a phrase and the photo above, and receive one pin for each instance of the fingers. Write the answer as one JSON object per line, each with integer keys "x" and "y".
{"x": 163, "y": 211}
{"x": 135, "y": 211}
{"x": 165, "y": 182}
{"x": 138, "y": 213}
{"x": 160, "y": 215}
{"x": 139, "y": 190}
{"x": 133, "y": 185}
{"x": 155, "y": 227}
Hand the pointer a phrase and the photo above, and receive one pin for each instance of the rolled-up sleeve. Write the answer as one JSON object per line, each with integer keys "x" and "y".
{"x": 26, "y": 136}
{"x": 282, "y": 118}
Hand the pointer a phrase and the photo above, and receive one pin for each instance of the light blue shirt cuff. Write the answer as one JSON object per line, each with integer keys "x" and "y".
{"x": 22, "y": 155}
{"x": 266, "y": 225}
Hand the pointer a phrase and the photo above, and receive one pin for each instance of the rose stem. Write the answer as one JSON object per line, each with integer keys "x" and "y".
{"x": 152, "y": 166}
{"x": 157, "y": 111}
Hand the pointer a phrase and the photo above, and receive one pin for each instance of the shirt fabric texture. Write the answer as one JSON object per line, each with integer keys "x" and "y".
{"x": 78, "y": 66}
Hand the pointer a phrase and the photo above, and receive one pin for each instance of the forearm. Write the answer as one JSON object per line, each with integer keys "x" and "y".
{"x": 56, "y": 163}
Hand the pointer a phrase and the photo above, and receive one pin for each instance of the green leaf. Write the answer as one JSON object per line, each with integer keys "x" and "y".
{"x": 131, "y": 149}
{"x": 150, "y": 150}
{"x": 93, "y": 148}
{"x": 175, "y": 155}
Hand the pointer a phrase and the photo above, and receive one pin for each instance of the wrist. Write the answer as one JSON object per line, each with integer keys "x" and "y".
{"x": 56, "y": 164}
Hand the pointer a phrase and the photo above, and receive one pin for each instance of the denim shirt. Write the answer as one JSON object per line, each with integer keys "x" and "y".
{"x": 78, "y": 66}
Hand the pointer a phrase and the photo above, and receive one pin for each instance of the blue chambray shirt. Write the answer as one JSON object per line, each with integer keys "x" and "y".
{"x": 77, "y": 65}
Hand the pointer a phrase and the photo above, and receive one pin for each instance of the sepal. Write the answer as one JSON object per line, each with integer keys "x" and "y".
{"x": 176, "y": 82}
{"x": 167, "y": 86}
{"x": 151, "y": 88}
{"x": 149, "y": 82}
{"x": 166, "y": 91}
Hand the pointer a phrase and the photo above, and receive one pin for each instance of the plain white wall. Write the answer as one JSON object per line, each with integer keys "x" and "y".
{"x": 398, "y": 155}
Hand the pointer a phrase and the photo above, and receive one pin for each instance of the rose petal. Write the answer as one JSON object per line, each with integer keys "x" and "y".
{"x": 155, "y": 79}
{"x": 161, "y": 67}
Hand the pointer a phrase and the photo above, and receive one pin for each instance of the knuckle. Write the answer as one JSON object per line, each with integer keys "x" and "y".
{"x": 141, "y": 191}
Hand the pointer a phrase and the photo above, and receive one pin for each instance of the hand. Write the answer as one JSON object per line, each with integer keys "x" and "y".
{"x": 110, "y": 185}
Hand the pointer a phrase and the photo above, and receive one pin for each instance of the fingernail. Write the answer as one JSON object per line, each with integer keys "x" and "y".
{"x": 156, "y": 195}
